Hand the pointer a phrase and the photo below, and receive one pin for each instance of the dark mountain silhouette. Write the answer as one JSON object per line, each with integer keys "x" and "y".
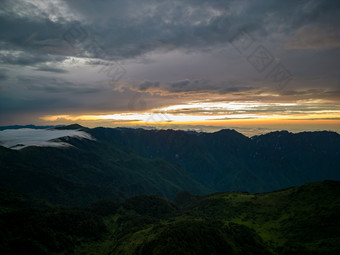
{"x": 227, "y": 160}
{"x": 123, "y": 162}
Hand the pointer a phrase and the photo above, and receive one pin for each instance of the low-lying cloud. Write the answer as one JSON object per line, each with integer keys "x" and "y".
{"x": 21, "y": 138}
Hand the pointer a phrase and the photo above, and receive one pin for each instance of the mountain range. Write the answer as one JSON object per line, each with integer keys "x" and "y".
{"x": 136, "y": 191}
{"x": 122, "y": 162}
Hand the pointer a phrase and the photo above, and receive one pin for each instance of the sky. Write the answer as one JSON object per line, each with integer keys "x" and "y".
{"x": 254, "y": 66}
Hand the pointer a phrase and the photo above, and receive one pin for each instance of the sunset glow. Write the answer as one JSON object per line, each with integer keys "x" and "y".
{"x": 218, "y": 115}
{"x": 171, "y": 65}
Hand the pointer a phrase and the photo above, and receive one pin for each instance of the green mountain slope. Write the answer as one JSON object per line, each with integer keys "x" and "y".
{"x": 90, "y": 170}
{"x": 299, "y": 220}
{"x": 305, "y": 216}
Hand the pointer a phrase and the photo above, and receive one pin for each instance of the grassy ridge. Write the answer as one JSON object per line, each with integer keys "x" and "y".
{"x": 298, "y": 220}
{"x": 308, "y": 214}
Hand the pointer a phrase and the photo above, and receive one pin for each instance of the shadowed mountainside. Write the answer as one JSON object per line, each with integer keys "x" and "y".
{"x": 299, "y": 220}
{"x": 123, "y": 162}
{"x": 228, "y": 161}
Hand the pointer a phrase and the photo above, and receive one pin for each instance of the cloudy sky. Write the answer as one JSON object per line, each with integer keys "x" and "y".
{"x": 201, "y": 64}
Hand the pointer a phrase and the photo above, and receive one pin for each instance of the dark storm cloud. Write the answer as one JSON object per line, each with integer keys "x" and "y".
{"x": 40, "y": 41}
{"x": 27, "y": 42}
{"x": 3, "y": 75}
{"x": 55, "y": 85}
{"x": 27, "y": 58}
{"x": 148, "y": 84}
{"x": 51, "y": 69}
{"x": 248, "y": 91}
{"x": 188, "y": 86}
{"x": 181, "y": 84}
{"x": 11, "y": 106}
{"x": 131, "y": 28}
{"x": 165, "y": 25}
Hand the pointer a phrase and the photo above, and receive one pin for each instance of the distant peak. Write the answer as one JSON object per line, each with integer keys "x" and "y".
{"x": 274, "y": 133}
{"x": 72, "y": 126}
{"x": 228, "y": 132}
{"x": 25, "y": 126}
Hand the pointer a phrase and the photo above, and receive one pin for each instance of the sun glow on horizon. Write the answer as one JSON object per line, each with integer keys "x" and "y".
{"x": 211, "y": 113}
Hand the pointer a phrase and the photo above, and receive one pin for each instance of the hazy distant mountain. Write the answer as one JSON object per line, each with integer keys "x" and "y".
{"x": 122, "y": 162}
{"x": 25, "y": 126}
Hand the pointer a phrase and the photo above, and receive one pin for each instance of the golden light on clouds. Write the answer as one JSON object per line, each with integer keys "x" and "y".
{"x": 210, "y": 113}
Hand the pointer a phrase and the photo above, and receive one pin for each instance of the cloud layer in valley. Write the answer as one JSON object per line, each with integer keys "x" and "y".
{"x": 21, "y": 138}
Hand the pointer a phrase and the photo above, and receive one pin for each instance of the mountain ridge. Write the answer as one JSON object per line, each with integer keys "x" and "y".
{"x": 222, "y": 152}
{"x": 164, "y": 162}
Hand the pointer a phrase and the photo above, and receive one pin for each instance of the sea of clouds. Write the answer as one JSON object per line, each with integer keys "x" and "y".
{"x": 21, "y": 138}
